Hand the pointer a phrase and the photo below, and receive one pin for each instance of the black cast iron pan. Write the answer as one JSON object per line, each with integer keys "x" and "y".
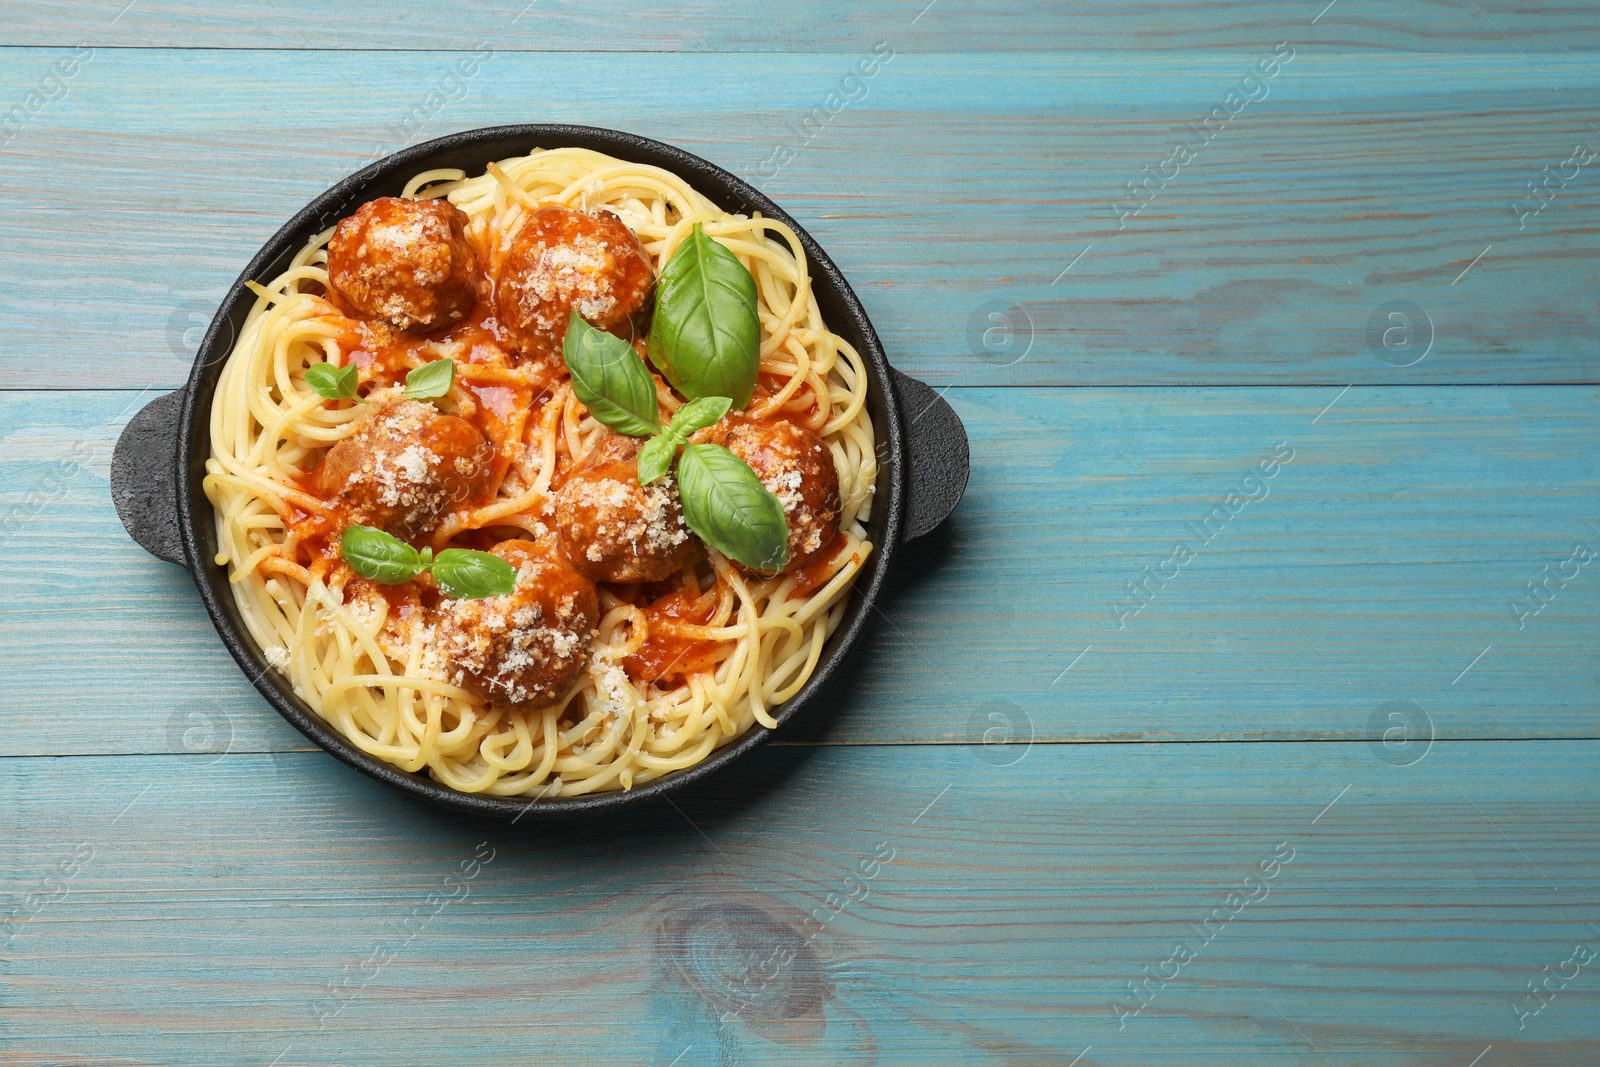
{"x": 159, "y": 461}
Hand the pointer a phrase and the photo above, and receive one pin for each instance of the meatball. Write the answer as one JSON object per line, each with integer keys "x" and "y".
{"x": 615, "y": 530}
{"x": 406, "y": 466}
{"x": 405, "y": 262}
{"x": 527, "y": 646}
{"x": 563, "y": 260}
{"x": 797, "y": 467}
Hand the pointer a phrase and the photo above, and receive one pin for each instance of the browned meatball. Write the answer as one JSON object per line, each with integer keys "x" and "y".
{"x": 563, "y": 260}
{"x": 615, "y": 530}
{"x": 529, "y": 645}
{"x": 797, "y": 467}
{"x": 406, "y": 466}
{"x": 405, "y": 262}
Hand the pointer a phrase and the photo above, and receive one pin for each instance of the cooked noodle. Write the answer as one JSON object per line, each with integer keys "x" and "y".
{"x": 376, "y": 677}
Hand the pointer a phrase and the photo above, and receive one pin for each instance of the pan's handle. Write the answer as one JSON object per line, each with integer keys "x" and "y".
{"x": 144, "y": 477}
{"x": 937, "y": 457}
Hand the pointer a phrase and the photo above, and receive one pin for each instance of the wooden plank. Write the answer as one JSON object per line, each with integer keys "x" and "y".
{"x": 1394, "y": 548}
{"x": 958, "y": 189}
{"x": 810, "y": 26}
{"x": 229, "y": 904}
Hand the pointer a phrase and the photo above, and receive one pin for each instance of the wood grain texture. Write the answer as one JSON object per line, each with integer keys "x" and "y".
{"x": 1374, "y": 566}
{"x": 958, "y": 189}
{"x": 810, "y": 26}
{"x": 222, "y": 914}
{"x": 183, "y": 880}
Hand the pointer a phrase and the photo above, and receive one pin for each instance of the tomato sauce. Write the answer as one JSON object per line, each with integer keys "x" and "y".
{"x": 316, "y": 534}
{"x": 665, "y": 655}
{"x": 817, "y": 572}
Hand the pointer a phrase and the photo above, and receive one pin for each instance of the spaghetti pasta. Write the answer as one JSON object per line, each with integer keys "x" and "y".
{"x": 674, "y": 669}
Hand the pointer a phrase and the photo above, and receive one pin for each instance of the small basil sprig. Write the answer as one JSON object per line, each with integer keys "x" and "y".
{"x": 334, "y": 383}
{"x": 726, "y": 504}
{"x": 656, "y": 457}
{"x": 430, "y": 379}
{"x": 616, "y": 387}
{"x": 705, "y": 336}
{"x": 461, "y": 573}
{"x": 723, "y": 500}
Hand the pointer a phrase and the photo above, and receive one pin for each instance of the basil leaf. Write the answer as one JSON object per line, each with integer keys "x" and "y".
{"x": 728, "y": 507}
{"x": 379, "y": 557}
{"x": 430, "y": 379}
{"x": 655, "y": 458}
{"x": 468, "y": 575}
{"x": 698, "y": 414}
{"x": 335, "y": 383}
{"x": 611, "y": 379}
{"x": 705, "y": 337}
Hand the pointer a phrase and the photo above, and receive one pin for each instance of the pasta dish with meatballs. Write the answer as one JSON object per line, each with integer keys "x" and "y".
{"x": 545, "y": 481}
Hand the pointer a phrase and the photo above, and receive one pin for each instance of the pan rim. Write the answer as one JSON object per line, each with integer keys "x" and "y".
{"x": 383, "y": 177}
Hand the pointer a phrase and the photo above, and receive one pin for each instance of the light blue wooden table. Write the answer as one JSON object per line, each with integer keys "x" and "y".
{"x": 1322, "y": 789}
